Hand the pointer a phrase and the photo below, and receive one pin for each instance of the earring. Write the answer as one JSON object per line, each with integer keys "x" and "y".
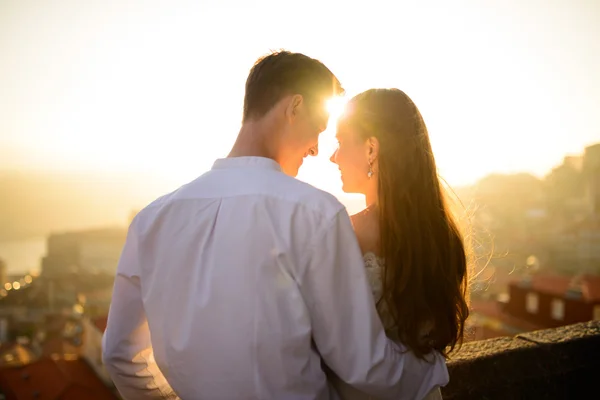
{"x": 370, "y": 173}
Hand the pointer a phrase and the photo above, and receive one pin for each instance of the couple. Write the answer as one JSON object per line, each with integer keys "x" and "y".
{"x": 249, "y": 284}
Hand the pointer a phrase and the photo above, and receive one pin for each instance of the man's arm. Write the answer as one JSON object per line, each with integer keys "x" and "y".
{"x": 126, "y": 347}
{"x": 346, "y": 328}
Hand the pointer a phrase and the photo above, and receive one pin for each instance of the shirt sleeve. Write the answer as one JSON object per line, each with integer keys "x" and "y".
{"x": 346, "y": 328}
{"x": 127, "y": 350}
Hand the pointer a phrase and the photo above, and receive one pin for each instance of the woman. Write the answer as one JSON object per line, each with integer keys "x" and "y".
{"x": 414, "y": 253}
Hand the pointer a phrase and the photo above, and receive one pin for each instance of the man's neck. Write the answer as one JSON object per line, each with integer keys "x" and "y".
{"x": 252, "y": 142}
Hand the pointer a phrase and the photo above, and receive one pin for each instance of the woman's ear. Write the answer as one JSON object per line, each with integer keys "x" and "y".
{"x": 373, "y": 148}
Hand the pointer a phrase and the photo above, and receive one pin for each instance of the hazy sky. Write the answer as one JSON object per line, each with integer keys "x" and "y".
{"x": 503, "y": 85}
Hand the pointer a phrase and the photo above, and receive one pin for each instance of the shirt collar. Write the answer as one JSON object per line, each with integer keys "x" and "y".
{"x": 246, "y": 162}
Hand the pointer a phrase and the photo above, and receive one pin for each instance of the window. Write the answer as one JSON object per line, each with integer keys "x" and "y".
{"x": 558, "y": 309}
{"x": 597, "y": 312}
{"x": 531, "y": 303}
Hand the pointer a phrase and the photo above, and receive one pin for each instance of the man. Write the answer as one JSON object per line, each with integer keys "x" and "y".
{"x": 246, "y": 278}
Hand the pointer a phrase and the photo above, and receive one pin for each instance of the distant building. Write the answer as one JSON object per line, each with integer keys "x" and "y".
{"x": 591, "y": 171}
{"x": 554, "y": 300}
{"x": 538, "y": 302}
{"x": 62, "y": 336}
{"x": 574, "y": 162}
{"x": 97, "y": 302}
{"x": 55, "y": 378}
{"x": 15, "y": 354}
{"x": 576, "y": 249}
{"x": 3, "y": 273}
{"x": 86, "y": 251}
{"x": 92, "y": 351}
{"x": 575, "y": 203}
{"x": 574, "y": 245}
{"x": 488, "y": 320}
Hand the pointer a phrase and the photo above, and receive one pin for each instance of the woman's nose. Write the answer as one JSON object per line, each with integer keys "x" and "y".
{"x": 333, "y": 157}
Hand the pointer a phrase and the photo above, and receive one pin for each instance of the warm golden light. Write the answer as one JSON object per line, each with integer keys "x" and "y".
{"x": 8, "y": 286}
{"x": 336, "y": 107}
{"x": 16, "y": 285}
{"x": 118, "y": 96}
{"x": 28, "y": 279}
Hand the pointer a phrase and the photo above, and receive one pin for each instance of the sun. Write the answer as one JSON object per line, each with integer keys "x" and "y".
{"x": 335, "y": 107}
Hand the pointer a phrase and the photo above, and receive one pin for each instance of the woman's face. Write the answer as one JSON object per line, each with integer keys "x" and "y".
{"x": 352, "y": 157}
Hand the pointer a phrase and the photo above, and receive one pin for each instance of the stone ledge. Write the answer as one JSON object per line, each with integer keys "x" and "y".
{"x": 561, "y": 363}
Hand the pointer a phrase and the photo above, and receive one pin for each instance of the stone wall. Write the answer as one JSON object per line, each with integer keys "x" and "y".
{"x": 560, "y": 363}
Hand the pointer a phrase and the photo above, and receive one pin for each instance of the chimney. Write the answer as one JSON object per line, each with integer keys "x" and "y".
{"x": 575, "y": 290}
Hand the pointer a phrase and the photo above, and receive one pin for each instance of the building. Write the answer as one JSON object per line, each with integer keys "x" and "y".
{"x": 3, "y": 273}
{"x": 591, "y": 171}
{"x": 488, "y": 319}
{"x": 93, "y": 251}
{"x": 553, "y": 300}
{"x": 565, "y": 193}
{"x": 576, "y": 248}
{"x": 92, "y": 348}
{"x": 97, "y": 301}
{"x": 537, "y": 302}
{"x": 61, "y": 336}
{"x": 15, "y": 354}
{"x": 53, "y": 378}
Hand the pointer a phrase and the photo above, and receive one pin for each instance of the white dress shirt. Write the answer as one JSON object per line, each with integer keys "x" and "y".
{"x": 238, "y": 284}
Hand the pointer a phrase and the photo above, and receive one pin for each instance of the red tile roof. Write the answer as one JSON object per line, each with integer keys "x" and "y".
{"x": 59, "y": 345}
{"x": 559, "y": 284}
{"x": 591, "y": 288}
{"x": 53, "y": 379}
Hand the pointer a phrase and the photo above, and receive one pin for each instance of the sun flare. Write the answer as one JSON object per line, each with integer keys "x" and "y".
{"x": 336, "y": 107}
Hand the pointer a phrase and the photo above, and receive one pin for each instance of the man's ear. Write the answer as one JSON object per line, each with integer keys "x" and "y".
{"x": 293, "y": 106}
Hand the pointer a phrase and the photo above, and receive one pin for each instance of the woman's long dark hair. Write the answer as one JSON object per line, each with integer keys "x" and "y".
{"x": 425, "y": 270}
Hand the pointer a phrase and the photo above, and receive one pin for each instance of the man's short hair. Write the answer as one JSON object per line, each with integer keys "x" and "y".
{"x": 283, "y": 73}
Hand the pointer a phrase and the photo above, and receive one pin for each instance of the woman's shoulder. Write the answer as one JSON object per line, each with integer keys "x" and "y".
{"x": 373, "y": 269}
{"x": 372, "y": 260}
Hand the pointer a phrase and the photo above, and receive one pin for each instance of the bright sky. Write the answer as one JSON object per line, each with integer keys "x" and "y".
{"x": 503, "y": 85}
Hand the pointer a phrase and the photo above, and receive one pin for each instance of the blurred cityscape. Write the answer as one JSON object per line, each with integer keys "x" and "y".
{"x": 536, "y": 247}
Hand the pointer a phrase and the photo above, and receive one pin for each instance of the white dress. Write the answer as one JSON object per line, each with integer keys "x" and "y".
{"x": 374, "y": 272}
